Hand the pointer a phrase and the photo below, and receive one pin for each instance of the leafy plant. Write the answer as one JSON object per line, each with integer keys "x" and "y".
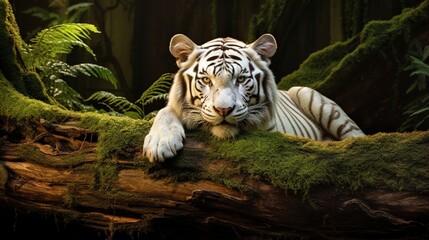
{"x": 56, "y": 40}
{"x": 158, "y": 90}
{"x": 418, "y": 115}
{"x": 420, "y": 70}
{"x": 117, "y": 104}
{"x": 44, "y": 53}
{"x": 418, "y": 110}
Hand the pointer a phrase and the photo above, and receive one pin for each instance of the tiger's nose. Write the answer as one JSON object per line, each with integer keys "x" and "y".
{"x": 223, "y": 111}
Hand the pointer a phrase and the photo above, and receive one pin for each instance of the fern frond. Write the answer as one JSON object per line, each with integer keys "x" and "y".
{"x": 59, "y": 39}
{"x": 420, "y": 67}
{"x": 60, "y": 68}
{"x": 425, "y": 53}
{"x": 417, "y": 113}
{"x": 115, "y": 103}
{"x": 158, "y": 90}
{"x": 66, "y": 95}
{"x": 57, "y": 68}
{"x": 94, "y": 70}
{"x": 154, "y": 98}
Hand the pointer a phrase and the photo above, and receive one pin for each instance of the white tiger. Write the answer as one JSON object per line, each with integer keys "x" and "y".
{"x": 225, "y": 86}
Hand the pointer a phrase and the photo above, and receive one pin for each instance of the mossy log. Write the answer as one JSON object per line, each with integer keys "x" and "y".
{"x": 375, "y": 186}
{"x": 86, "y": 170}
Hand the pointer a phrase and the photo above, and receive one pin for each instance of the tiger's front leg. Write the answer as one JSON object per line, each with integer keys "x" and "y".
{"x": 165, "y": 137}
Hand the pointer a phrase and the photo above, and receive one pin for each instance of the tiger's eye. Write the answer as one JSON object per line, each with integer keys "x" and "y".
{"x": 206, "y": 80}
{"x": 241, "y": 79}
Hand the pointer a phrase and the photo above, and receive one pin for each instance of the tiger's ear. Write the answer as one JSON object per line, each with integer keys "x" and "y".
{"x": 181, "y": 47}
{"x": 265, "y": 46}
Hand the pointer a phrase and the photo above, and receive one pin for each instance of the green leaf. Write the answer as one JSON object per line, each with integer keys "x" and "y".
{"x": 420, "y": 111}
{"x": 66, "y": 95}
{"x": 412, "y": 87}
{"x": 420, "y": 72}
{"x": 59, "y": 39}
{"x": 94, "y": 70}
{"x": 425, "y": 53}
{"x": 115, "y": 103}
{"x": 158, "y": 90}
{"x": 417, "y": 113}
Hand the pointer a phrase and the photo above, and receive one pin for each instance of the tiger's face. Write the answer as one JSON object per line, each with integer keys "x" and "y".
{"x": 223, "y": 85}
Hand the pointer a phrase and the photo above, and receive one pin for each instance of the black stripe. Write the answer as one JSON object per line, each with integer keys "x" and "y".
{"x": 212, "y": 58}
{"x": 310, "y": 104}
{"x": 332, "y": 117}
{"x": 286, "y": 114}
{"x": 303, "y": 117}
{"x": 235, "y": 57}
{"x": 322, "y": 104}
{"x": 294, "y": 115}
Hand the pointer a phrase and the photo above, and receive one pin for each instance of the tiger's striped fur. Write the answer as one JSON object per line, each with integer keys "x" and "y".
{"x": 225, "y": 86}
{"x": 304, "y": 112}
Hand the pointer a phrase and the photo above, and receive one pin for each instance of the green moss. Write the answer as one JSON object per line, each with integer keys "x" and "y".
{"x": 31, "y": 153}
{"x": 105, "y": 177}
{"x": 10, "y": 46}
{"x": 332, "y": 68}
{"x": 11, "y": 63}
{"x": 69, "y": 200}
{"x": 35, "y": 87}
{"x": 119, "y": 137}
{"x": 318, "y": 66}
{"x": 20, "y": 107}
{"x": 297, "y": 164}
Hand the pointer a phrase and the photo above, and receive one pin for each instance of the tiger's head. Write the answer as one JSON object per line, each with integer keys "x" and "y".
{"x": 224, "y": 85}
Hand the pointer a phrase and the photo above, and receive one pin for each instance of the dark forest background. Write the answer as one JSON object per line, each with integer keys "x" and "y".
{"x": 135, "y": 34}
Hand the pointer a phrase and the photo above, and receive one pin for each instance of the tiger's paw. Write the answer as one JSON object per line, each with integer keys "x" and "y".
{"x": 163, "y": 142}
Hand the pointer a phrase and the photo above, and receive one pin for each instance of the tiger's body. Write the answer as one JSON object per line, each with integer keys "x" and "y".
{"x": 225, "y": 86}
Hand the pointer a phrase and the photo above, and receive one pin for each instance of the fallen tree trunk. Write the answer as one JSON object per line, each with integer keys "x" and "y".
{"x": 58, "y": 173}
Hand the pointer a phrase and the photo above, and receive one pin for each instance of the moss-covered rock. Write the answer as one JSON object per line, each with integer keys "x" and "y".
{"x": 365, "y": 74}
{"x": 332, "y": 67}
